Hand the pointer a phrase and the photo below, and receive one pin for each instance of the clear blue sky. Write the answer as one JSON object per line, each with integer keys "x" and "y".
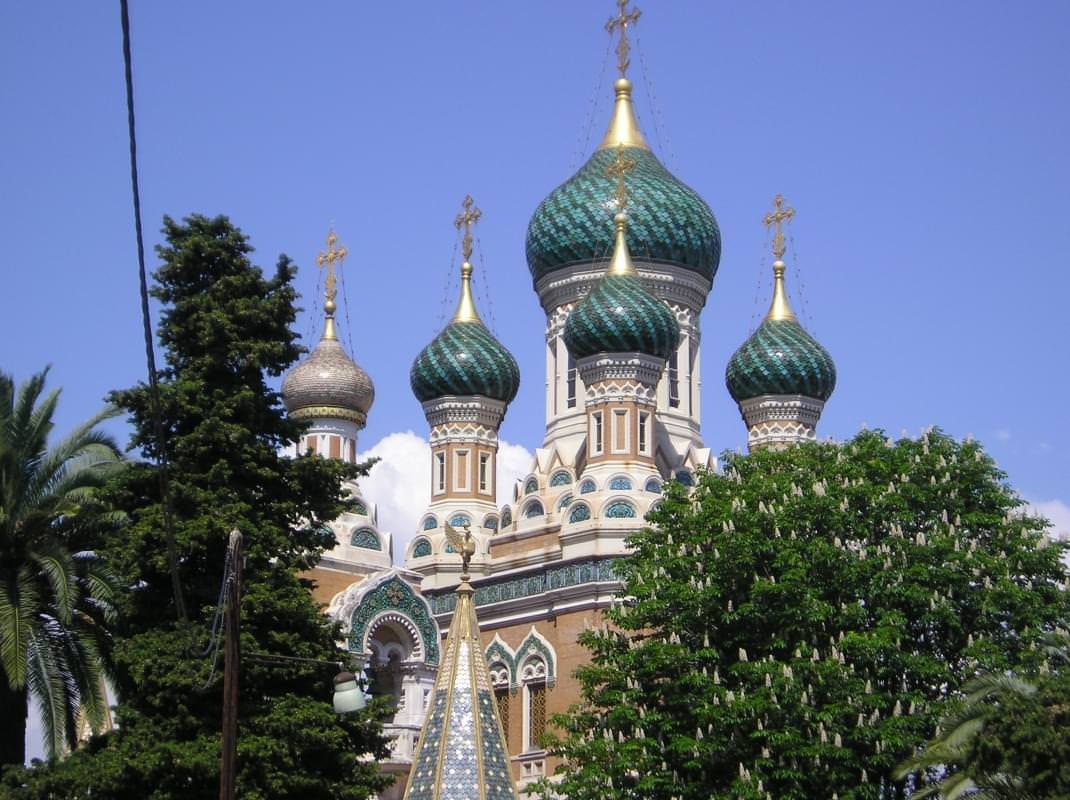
{"x": 924, "y": 146}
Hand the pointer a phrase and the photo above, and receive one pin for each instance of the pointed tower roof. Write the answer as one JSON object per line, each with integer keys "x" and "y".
{"x": 462, "y": 753}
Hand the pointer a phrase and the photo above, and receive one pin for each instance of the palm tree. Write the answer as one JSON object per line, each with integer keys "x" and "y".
{"x": 56, "y": 597}
{"x": 949, "y": 755}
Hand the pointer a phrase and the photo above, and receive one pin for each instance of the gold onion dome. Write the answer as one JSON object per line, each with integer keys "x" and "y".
{"x": 328, "y": 383}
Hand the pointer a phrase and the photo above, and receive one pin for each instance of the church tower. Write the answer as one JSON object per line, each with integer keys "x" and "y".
{"x": 675, "y": 245}
{"x": 780, "y": 376}
{"x": 465, "y": 380}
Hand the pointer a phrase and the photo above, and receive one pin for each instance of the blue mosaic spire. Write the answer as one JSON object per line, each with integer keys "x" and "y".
{"x": 462, "y": 753}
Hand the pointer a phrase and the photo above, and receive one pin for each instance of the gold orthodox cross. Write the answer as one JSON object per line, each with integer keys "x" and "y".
{"x": 620, "y": 167}
{"x": 623, "y": 19}
{"x": 469, "y": 217}
{"x": 780, "y": 215}
{"x": 327, "y": 260}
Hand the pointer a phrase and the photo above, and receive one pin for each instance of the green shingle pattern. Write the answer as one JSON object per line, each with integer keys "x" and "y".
{"x": 667, "y": 220}
{"x": 619, "y": 315}
{"x": 465, "y": 359}
{"x": 780, "y": 358}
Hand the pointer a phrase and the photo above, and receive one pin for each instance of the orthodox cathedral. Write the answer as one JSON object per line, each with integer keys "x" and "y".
{"x": 622, "y": 256}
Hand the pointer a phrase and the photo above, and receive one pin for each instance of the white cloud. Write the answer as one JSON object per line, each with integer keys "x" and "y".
{"x": 1003, "y": 435}
{"x": 1058, "y": 513}
{"x": 400, "y": 484}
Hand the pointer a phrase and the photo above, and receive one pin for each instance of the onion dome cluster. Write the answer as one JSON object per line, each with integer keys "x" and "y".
{"x": 465, "y": 358}
{"x": 668, "y": 221}
{"x": 620, "y": 315}
{"x": 780, "y": 357}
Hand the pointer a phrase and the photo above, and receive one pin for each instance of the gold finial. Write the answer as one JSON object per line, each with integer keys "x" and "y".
{"x": 779, "y": 309}
{"x": 621, "y": 166}
{"x": 776, "y": 217}
{"x": 621, "y": 22}
{"x": 621, "y": 263}
{"x": 467, "y": 218}
{"x": 326, "y": 260}
{"x": 464, "y": 544}
{"x": 466, "y": 306}
{"x": 623, "y": 128}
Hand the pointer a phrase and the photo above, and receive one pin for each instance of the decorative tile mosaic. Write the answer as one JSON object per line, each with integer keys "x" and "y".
{"x": 430, "y": 523}
{"x": 531, "y": 485}
{"x": 366, "y": 538}
{"x": 566, "y": 498}
{"x": 498, "y": 591}
{"x": 587, "y": 487}
{"x": 421, "y": 548}
{"x": 620, "y": 483}
{"x": 668, "y": 221}
{"x": 780, "y": 358}
{"x": 533, "y": 509}
{"x": 490, "y": 523}
{"x": 620, "y": 510}
{"x": 460, "y": 520}
{"x": 465, "y": 359}
{"x": 581, "y": 512}
{"x": 394, "y": 595}
{"x": 653, "y": 485}
{"x": 560, "y": 478}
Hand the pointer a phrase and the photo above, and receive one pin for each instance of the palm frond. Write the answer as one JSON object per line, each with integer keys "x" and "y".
{"x": 45, "y": 680}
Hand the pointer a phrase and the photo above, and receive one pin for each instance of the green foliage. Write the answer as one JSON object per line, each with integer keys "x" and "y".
{"x": 56, "y": 597}
{"x": 225, "y": 329}
{"x": 793, "y": 623}
{"x": 1005, "y": 738}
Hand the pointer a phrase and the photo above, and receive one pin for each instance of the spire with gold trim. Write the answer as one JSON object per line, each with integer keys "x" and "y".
{"x": 328, "y": 388}
{"x": 780, "y": 376}
{"x": 462, "y": 751}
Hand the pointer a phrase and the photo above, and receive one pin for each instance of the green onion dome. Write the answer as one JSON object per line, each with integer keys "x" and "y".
{"x": 668, "y": 221}
{"x": 619, "y": 315}
{"x": 780, "y": 357}
{"x": 465, "y": 358}
{"x": 328, "y": 383}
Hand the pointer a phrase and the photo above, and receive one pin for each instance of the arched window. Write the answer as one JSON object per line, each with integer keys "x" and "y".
{"x": 507, "y": 517}
{"x": 531, "y": 485}
{"x": 499, "y": 679}
{"x": 366, "y": 538}
{"x": 490, "y": 522}
{"x": 587, "y": 486}
{"x": 560, "y": 478}
{"x": 579, "y": 513}
{"x": 620, "y": 483}
{"x": 430, "y": 523}
{"x": 685, "y": 477}
{"x": 460, "y": 520}
{"x": 359, "y": 508}
{"x": 421, "y": 548}
{"x": 653, "y": 485}
{"x": 533, "y": 509}
{"x": 620, "y": 510}
{"x": 533, "y": 679}
{"x": 566, "y": 498}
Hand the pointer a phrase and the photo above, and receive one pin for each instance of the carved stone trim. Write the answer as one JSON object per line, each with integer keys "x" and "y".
{"x": 603, "y": 367}
{"x": 668, "y": 282}
{"x": 464, "y": 408}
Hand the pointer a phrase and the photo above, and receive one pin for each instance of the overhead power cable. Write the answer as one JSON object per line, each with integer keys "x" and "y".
{"x": 150, "y": 356}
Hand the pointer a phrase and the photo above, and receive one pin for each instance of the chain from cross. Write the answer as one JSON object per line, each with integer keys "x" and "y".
{"x": 327, "y": 260}
{"x": 623, "y": 19}
{"x": 777, "y": 217}
{"x": 619, "y": 169}
{"x": 466, "y": 219}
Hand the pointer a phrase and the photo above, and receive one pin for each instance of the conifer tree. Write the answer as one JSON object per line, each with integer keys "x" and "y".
{"x": 791, "y": 626}
{"x": 225, "y": 329}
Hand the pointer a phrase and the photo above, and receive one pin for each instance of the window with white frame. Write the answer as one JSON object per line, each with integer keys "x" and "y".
{"x": 484, "y": 463}
{"x": 673, "y": 376}
{"x": 461, "y": 470}
{"x": 570, "y": 383}
{"x": 499, "y": 679}
{"x": 596, "y": 431}
{"x": 644, "y": 436}
{"x": 440, "y": 469}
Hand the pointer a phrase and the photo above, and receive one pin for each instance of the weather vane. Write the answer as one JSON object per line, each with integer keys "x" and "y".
{"x": 463, "y": 544}
{"x": 623, "y": 19}
{"x": 780, "y": 215}
{"x": 469, "y": 217}
{"x": 621, "y": 166}
{"x": 327, "y": 260}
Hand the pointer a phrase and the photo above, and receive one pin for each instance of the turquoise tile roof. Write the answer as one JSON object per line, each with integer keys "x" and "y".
{"x": 780, "y": 358}
{"x": 465, "y": 359}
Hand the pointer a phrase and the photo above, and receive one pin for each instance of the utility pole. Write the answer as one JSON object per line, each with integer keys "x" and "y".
{"x": 231, "y": 668}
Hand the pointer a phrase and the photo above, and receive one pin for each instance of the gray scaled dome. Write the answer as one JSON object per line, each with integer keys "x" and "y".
{"x": 328, "y": 383}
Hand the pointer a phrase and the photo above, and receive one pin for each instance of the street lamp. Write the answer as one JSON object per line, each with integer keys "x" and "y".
{"x": 348, "y": 696}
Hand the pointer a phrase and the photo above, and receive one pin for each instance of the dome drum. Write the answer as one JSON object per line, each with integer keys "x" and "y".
{"x": 668, "y": 282}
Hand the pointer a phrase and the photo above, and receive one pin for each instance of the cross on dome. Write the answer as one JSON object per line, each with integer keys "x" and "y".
{"x": 620, "y": 23}
{"x": 466, "y": 219}
{"x": 776, "y": 217}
